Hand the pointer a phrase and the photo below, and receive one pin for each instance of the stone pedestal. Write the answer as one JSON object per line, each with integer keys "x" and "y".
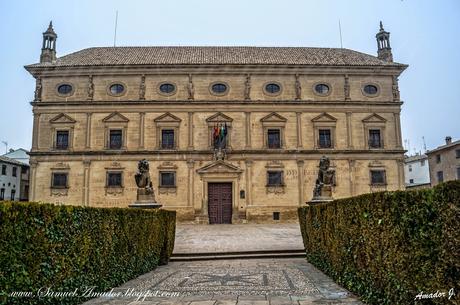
{"x": 145, "y": 205}
{"x": 145, "y": 200}
{"x": 319, "y": 200}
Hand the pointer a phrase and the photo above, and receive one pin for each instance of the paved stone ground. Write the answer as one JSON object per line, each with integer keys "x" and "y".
{"x": 252, "y": 281}
{"x": 240, "y": 281}
{"x": 238, "y": 237}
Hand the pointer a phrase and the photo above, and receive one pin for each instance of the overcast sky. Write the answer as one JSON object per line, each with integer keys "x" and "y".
{"x": 424, "y": 35}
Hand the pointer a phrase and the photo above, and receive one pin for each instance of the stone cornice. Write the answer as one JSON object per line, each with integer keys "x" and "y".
{"x": 303, "y": 153}
{"x": 226, "y": 69}
{"x": 205, "y": 103}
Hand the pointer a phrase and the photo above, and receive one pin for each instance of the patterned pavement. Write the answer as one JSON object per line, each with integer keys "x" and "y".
{"x": 239, "y": 281}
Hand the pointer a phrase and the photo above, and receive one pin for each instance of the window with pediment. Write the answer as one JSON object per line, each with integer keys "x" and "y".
{"x": 115, "y": 131}
{"x": 167, "y": 131}
{"x": 273, "y": 127}
{"x": 374, "y": 130}
{"x": 62, "y": 131}
{"x": 219, "y": 130}
{"x": 324, "y": 131}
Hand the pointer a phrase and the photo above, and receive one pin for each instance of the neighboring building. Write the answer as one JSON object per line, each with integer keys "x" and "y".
{"x": 445, "y": 162}
{"x": 98, "y": 111}
{"x": 416, "y": 171}
{"x": 19, "y": 154}
{"x": 22, "y": 156}
{"x": 10, "y": 179}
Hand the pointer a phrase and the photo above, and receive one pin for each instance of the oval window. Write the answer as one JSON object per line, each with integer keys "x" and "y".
{"x": 371, "y": 89}
{"x": 117, "y": 89}
{"x": 65, "y": 89}
{"x": 219, "y": 88}
{"x": 322, "y": 89}
{"x": 272, "y": 88}
{"x": 167, "y": 88}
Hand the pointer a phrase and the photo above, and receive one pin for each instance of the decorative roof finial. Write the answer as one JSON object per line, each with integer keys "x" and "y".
{"x": 381, "y": 26}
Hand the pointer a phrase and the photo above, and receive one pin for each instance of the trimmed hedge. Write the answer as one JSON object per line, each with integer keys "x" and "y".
{"x": 388, "y": 247}
{"x": 68, "y": 247}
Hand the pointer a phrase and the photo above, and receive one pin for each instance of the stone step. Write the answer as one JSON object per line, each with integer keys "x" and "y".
{"x": 289, "y": 253}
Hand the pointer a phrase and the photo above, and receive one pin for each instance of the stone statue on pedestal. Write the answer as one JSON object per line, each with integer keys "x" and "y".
{"x": 145, "y": 193}
{"x": 324, "y": 182}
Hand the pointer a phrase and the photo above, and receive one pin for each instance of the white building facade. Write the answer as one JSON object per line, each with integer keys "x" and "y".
{"x": 10, "y": 178}
{"x": 416, "y": 171}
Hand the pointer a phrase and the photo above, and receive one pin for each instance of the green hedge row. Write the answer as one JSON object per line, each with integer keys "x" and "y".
{"x": 69, "y": 247}
{"x": 388, "y": 247}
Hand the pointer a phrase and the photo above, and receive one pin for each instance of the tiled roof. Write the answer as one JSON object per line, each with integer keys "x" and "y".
{"x": 12, "y": 161}
{"x": 453, "y": 144}
{"x": 193, "y": 55}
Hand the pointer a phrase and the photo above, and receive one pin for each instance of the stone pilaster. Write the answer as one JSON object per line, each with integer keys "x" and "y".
{"x": 397, "y": 120}
{"x": 35, "y": 132}
{"x": 141, "y": 129}
{"x": 300, "y": 178}
{"x": 190, "y": 130}
{"x": 351, "y": 176}
{"x": 349, "y": 131}
{"x": 86, "y": 182}
{"x": 33, "y": 178}
{"x": 248, "y": 182}
{"x": 191, "y": 184}
{"x": 88, "y": 130}
{"x": 299, "y": 129}
{"x": 248, "y": 130}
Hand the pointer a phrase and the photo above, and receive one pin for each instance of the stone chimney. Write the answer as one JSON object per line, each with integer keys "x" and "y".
{"x": 448, "y": 140}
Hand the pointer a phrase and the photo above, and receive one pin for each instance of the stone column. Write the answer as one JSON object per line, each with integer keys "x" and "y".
{"x": 248, "y": 182}
{"x": 248, "y": 130}
{"x": 351, "y": 176}
{"x": 190, "y": 130}
{"x": 299, "y": 129}
{"x": 35, "y": 132}
{"x": 88, "y": 130}
{"x": 300, "y": 179}
{"x": 33, "y": 176}
{"x": 86, "y": 182}
{"x": 191, "y": 184}
{"x": 349, "y": 131}
{"x": 398, "y": 130}
{"x": 141, "y": 129}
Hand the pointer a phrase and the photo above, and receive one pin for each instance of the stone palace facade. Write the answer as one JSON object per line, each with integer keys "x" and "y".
{"x": 98, "y": 111}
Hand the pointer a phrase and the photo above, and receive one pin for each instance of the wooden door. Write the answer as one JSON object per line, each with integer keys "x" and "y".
{"x": 220, "y": 202}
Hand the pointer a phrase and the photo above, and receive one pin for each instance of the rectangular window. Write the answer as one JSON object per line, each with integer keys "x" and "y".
{"x": 62, "y": 139}
{"x": 13, "y": 194}
{"x": 457, "y": 153}
{"x": 458, "y": 173}
{"x": 274, "y": 138}
{"x": 410, "y": 167}
{"x": 375, "y": 140}
{"x": 325, "y": 139}
{"x": 167, "y": 139}
{"x": 378, "y": 177}
{"x": 438, "y": 158}
{"x": 15, "y": 171}
{"x": 422, "y": 163}
{"x": 167, "y": 179}
{"x": 59, "y": 180}
{"x": 114, "y": 179}
{"x": 440, "y": 176}
{"x": 411, "y": 181}
{"x": 2, "y": 194}
{"x": 116, "y": 139}
{"x": 3, "y": 169}
{"x": 275, "y": 178}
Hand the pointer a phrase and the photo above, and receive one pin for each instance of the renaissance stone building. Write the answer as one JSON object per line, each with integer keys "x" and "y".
{"x": 98, "y": 111}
